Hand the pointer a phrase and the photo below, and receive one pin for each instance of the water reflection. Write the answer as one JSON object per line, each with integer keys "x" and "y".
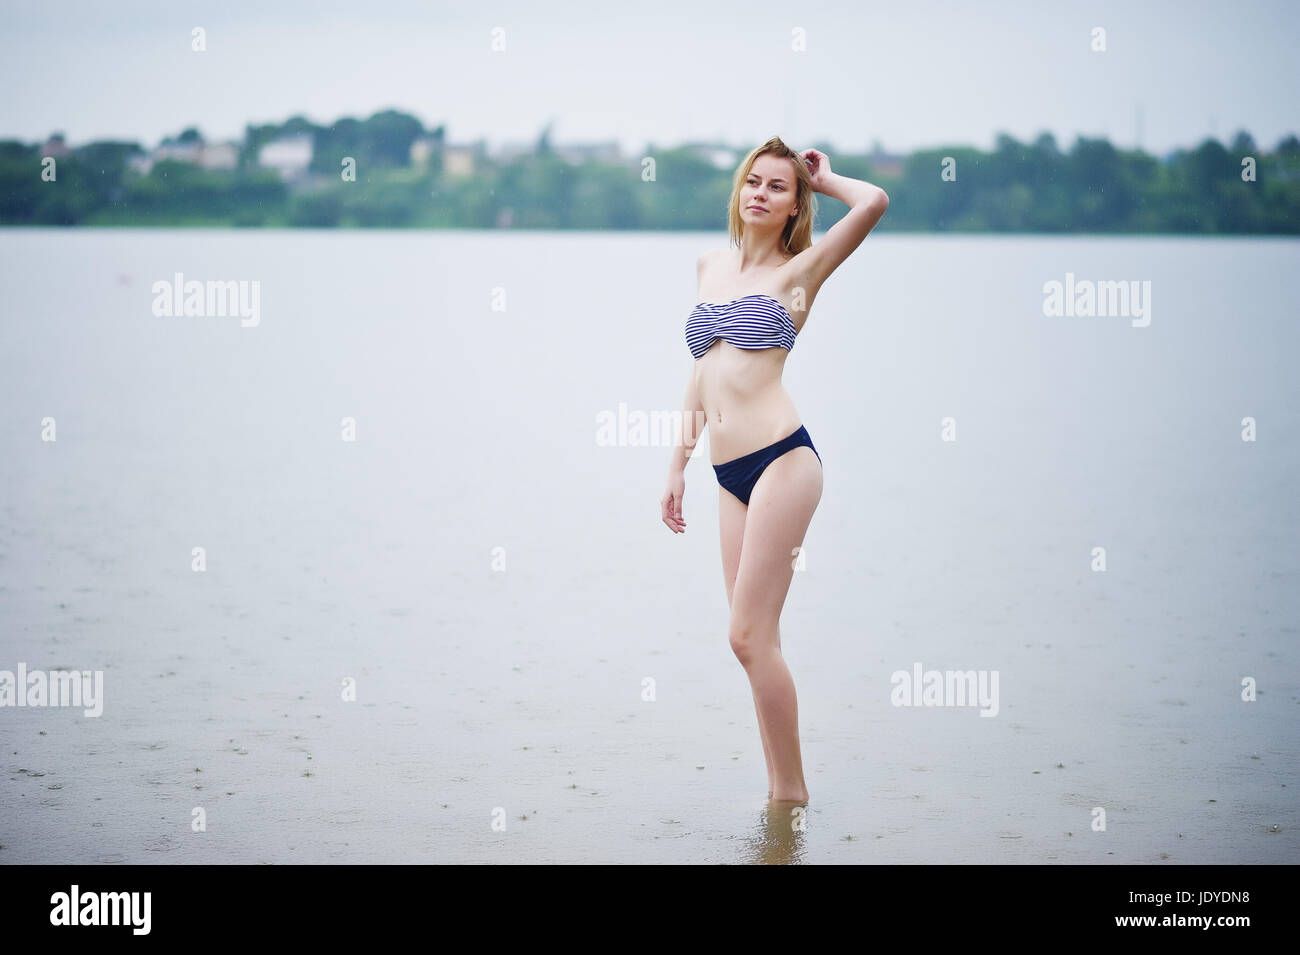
{"x": 780, "y": 838}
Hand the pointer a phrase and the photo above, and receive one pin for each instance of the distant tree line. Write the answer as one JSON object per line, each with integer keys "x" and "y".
{"x": 1015, "y": 187}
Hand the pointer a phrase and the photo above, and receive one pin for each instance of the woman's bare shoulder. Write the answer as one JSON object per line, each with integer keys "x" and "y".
{"x": 709, "y": 256}
{"x": 702, "y": 263}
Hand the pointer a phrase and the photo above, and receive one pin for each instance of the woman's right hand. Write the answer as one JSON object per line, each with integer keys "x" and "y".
{"x": 671, "y": 502}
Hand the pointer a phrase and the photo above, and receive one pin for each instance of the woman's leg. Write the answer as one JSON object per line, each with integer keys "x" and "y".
{"x": 780, "y": 510}
{"x": 731, "y": 520}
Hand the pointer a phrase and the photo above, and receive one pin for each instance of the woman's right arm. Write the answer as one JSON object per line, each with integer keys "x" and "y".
{"x": 693, "y": 421}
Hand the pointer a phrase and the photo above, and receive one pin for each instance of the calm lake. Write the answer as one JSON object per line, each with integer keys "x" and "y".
{"x": 362, "y": 579}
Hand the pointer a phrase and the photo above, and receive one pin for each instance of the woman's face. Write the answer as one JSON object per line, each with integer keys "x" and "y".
{"x": 768, "y": 194}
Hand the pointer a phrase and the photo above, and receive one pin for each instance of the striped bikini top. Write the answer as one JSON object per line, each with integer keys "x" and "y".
{"x": 754, "y": 321}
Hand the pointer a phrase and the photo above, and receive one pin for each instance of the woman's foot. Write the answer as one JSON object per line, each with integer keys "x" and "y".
{"x": 796, "y": 796}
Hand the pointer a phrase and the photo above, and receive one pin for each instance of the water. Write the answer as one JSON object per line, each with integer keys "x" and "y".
{"x": 518, "y": 691}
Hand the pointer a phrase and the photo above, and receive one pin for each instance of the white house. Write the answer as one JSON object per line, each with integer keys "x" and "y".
{"x": 289, "y": 155}
{"x": 458, "y": 160}
{"x": 219, "y": 156}
{"x": 421, "y": 149}
{"x": 181, "y": 152}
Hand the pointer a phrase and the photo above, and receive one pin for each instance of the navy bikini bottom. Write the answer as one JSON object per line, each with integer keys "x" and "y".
{"x": 740, "y": 475}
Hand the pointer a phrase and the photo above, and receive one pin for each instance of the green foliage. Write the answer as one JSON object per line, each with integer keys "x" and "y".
{"x": 1092, "y": 187}
{"x": 1095, "y": 188}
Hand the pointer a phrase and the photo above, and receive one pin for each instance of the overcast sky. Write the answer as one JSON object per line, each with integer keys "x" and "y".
{"x": 664, "y": 72}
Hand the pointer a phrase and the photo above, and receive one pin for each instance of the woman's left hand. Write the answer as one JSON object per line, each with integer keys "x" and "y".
{"x": 819, "y": 167}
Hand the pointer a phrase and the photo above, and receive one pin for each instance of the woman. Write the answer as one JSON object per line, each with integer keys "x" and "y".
{"x": 754, "y": 300}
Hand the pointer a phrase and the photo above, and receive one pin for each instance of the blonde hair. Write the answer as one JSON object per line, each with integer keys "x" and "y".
{"x": 797, "y": 234}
